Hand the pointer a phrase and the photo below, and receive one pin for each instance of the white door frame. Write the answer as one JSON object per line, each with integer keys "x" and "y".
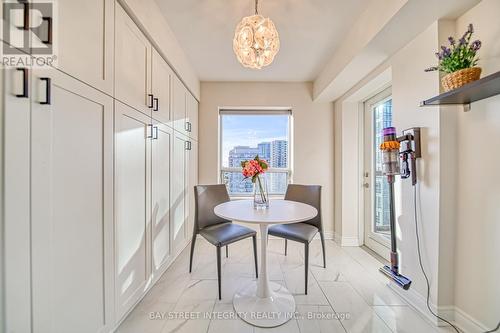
{"x": 376, "y": 242}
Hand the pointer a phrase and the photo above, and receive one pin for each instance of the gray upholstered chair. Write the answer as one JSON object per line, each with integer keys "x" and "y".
{"x": 302, "y": 232}
{"x": 216, "y": 230}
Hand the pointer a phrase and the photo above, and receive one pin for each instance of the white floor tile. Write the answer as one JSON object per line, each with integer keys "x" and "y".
{"x": 403, "y": 319}
{"x": 318, "y": 319}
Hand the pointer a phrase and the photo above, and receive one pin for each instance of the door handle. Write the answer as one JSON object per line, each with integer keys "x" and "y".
{"x": 155, "y": 104}
{"x": 26, "y": 18}
{"x": 25, "y": 83}
{"x": 48, "y": 90}
{"x": 187, "y": 145}
{"x": 49, "y": 29}
{"x": 150, "y": 103}
{"x": 366, "y": 185}
{"x": 155, "y": 132}
{"x": 189, "y": 127}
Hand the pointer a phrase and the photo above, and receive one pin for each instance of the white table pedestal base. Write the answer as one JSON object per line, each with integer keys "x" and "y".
{"x": 264, "y": 312}
{"x": 264, "y": 303}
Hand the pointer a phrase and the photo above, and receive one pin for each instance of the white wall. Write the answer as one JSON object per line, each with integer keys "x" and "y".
{"x": 312, "y": 133}
{"x": 477, "y": 291}
{"x": 458, "y": 190}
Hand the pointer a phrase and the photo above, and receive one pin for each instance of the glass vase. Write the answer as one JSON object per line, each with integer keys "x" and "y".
{"x": 260, "y": 193}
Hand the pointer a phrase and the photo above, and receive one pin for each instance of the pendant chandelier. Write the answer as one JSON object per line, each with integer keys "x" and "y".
{"x": 256, "y": 41}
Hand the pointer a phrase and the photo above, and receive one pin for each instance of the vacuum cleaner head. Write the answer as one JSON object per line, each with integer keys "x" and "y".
{"x": 399, "y": 279}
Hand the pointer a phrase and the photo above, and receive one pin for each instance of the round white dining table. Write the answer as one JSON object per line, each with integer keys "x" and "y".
{"x": 264, "y": 303}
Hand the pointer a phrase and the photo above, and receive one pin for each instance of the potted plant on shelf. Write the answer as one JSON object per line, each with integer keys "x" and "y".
{"x": 459, "y": 61}
{"x": 255, "y": 170}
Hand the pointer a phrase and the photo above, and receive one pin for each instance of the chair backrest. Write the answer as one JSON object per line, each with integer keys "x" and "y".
{"x": 308, "y": 194}
{"x": 206, "y": 197}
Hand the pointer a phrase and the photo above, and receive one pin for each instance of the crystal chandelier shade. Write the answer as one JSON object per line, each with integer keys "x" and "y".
{"x": 256, "y": 41}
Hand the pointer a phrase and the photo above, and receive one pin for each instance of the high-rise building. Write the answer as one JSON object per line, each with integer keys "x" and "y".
{"x": 279, "y": 154}
{"x": 236, "y": 182}
{"x": 264, "y": 150}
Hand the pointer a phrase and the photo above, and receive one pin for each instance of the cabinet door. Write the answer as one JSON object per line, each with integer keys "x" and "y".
{"x": 161, "y": 76}
{"x": 72, "y": 205}
{"x": 160, "y": 189}
{"x": 85, "y": 41}
{"x": 17, "y": 199}
{"x": 132, "y": 64}
{"x": 192, "y": 116}
{"x": 179, "y": 105}
{"x": 179, "y": 184}
{"x": 193, "y": 181}
{"x": 132, "y": 205}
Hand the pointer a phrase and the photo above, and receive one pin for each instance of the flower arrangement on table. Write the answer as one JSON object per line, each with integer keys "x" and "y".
{"x": 459, "y": 61}
{"x": 253, "y": 169}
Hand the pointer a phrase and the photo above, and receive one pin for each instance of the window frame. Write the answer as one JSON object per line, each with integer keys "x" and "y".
{"x": 255, "y": 111}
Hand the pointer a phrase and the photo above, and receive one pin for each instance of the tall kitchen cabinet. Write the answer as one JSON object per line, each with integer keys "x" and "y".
{"x": 100, "y": 162}
{"x": 71, "y": 205}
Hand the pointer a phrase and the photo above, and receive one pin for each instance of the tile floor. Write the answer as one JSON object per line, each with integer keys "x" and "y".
{"x": 350, "y": 295}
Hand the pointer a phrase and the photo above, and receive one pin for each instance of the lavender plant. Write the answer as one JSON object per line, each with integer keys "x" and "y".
{"x": 459, "y": 55}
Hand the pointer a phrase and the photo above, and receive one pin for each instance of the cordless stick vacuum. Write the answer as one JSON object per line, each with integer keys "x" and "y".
{"x": 396, "y": 150}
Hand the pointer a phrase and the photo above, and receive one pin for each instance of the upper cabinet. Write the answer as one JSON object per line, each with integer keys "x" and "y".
{"x": 179, "y": 105}
{"x": 161, "y": 81}
{"x": 85, "y": 41}
{"x": 192, "y": 116}
{"x": 132, "y": 64}
{"x": 185, "y": 110}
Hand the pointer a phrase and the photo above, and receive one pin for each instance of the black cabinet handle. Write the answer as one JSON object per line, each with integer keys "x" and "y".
{"x": 150, "y": 100}
{"x": 26, "y": 14}
{"x": 155, "y": 132}
{"x": 155, "y": 104}
{"x": 48, "y": 90}
{"x": 25, "y": 83}
{"x": 189, "y": 127}
{"x": 49, "y": 30}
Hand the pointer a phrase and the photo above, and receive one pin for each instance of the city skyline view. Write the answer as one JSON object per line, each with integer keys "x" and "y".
{"x": 246, "y": 136}
{"x": 242, "y": 130}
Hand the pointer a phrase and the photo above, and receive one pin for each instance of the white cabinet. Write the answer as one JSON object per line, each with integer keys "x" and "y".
{"x": 17, "y": 198}
{"x": 71, "y": 205}
{"x": 179, "y": 106}
{"x": 184, "y": 110}
{"x": 133, "y": 132}
{"x": 192, "y": 116}
{"x": 85, "y": 41}
{"x": 160, "y": 189}
{"x": 132, "y": 64}
{"x": 161, "y": 78}
{"x": 179, "y": 200}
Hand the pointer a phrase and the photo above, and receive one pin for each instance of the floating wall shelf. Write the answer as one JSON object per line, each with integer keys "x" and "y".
{"x": 486, "y": 87}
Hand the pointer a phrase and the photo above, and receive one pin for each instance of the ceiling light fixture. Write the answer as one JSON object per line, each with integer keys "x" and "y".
{"x": 256, "y": 41}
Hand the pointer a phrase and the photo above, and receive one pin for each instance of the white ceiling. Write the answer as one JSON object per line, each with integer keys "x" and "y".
{"x": 310, "y": 31}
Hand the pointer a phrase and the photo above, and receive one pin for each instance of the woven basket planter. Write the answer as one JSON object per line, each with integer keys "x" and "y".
{"x": 461, "y": 77}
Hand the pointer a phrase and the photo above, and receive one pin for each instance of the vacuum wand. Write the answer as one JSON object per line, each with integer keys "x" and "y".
{"x": 393, "y": 150}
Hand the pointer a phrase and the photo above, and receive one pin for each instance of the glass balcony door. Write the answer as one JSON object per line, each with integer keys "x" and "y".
{"x": 377, "y": 115}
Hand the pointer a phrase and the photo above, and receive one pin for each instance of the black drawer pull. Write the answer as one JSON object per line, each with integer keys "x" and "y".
{"x": 25, "y": 83}
{"x": 155, "y": 104}
{"x": 49, "y": 30}
{"x": 48, "y": 91}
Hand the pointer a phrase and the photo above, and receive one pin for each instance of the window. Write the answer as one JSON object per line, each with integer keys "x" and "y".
{"x": 247, "y": 133}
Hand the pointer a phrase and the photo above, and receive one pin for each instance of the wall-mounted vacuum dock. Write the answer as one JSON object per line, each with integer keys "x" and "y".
{"x": 399, "y": 158}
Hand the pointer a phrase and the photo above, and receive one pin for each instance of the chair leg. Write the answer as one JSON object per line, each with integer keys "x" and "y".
{"x": 254, "y": 240}
{"x": 193, "y": 241}
{"x": 323, "y": 247}
{"x": 218, "y": 270}
{"x": 227, "y": 253}
{"x": 306, "y": 255}
{"x": 286, "y": 243}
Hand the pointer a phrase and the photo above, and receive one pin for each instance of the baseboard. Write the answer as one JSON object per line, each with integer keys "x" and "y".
{"x": 455, "y": 315}
{"x": 350, "y": 241}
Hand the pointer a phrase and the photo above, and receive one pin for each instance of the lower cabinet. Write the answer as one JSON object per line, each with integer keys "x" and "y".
{"x": 133, "y": 132}
{"x": 71, "y": 205}
{"x": 180, "y": 191}
{"x": 161, "y": 164}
